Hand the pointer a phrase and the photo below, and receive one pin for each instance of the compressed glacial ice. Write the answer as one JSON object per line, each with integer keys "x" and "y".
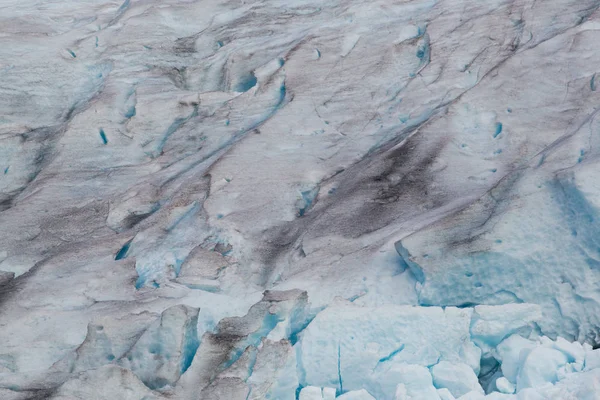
{"x": 350, "y": 347}
{"x": 458, "y": 378}
{"x": 299, "y": 200}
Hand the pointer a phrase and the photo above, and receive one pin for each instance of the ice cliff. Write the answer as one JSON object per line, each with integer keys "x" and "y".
{"x": 261, "y": 199}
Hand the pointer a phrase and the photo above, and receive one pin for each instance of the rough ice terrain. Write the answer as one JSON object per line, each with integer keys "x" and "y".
{"x": 300, "y": 199}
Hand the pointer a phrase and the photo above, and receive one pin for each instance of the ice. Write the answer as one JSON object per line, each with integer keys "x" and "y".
{"x": 445, "y": 394}
{"x": 505, "y": 386}
{"x": 361, "y": 394}
{"x": 108, "y": 340}
{"x": 574, "y": 351}
{"x": 458, "y": 378}
{"x": 267, "y": 199}
{"x": 511, "y": 352}
{"x": 316, "y": 393}
{"x": 106, "y": 383}
{"x": 492, "y": 324}
{"x": 240, "y": 344}
{"x": 328, "y": 393}
{"x": 521, "y": 262}
{"x": 273, "y": 374}
{"x": 226, "y": 388}
{"x": 311, "y": 393}
{"x": 166, "y": 349}
{"x": 416, "y": 381}
{"x": 350, "y": 347}
{"x": 472, "y": 395}
{"x": 592, "y": 359}
{"x": 499, "y": 396}
{"x": 540, "y": 366}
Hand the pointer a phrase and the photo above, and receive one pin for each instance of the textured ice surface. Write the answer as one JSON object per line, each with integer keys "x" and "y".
{"x": 350, "y": 347}
{"x": 207, "y": 199}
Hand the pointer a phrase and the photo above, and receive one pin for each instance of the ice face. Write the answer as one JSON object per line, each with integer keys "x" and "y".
{"x": 350, "y": 347}
{"x": 207, "y": 199}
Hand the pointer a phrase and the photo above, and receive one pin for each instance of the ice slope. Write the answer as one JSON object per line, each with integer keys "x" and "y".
{"x": 209, "y": 199}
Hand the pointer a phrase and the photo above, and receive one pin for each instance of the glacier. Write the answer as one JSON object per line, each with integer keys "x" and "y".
{"x": 303, "y": 200}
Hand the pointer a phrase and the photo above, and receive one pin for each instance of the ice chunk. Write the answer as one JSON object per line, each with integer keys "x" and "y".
{"x": 328, "y": 393}
{"x": 417, "y": 382}
{"x": 492, "y": 324}
{"x": 573, "y": 350}
{"x": 311, "y": 393}
{"x": 511, "y": 352}
{"x": 203, "y": 263}
{"x": 592, "y": 359}
{"x": 108, "y": 339}
{"x": 166, "y": 349}
{"x": 275, "y": 364}
{"x": 539, "y": 367}
{"x": 445, "y": 394}
{"x": 505, "y": 386}
{"x": 316, "y": 393}
{"x": 578, "y": 386}
{"x": 458, "y": 378}
{"x": 273, "y": 374}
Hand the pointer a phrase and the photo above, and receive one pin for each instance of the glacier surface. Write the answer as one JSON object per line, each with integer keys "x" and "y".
{"x": 303, "y": 200}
